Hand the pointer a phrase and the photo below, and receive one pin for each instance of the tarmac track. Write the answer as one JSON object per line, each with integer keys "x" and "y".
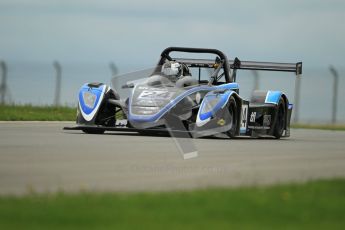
{"x": 41, "y": 157}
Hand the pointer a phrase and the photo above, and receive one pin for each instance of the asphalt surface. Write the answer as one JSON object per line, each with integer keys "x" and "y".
{"x": 41, "y": 157}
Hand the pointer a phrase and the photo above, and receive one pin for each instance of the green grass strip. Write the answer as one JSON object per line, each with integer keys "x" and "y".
{"x": 36, "y": 113}
{"x": 313, "y": 205}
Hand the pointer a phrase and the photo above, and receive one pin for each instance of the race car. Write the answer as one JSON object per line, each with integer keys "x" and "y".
{"x": 176, "y": 97}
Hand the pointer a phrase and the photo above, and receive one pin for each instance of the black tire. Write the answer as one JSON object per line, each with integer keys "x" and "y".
{"x": 233, "y": 116}
{"x": 280, "y": 120}
{"x": 93, "y": 131}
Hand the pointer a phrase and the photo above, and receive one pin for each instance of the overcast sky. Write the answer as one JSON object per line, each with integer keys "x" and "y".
{"x": 99, "y": 31}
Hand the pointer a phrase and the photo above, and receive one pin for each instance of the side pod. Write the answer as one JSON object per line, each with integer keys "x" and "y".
{"x": 264, "y": 118}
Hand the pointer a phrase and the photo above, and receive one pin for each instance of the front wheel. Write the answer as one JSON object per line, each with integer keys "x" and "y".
{"x": 233, "y": 118}
{"x": 281, "y": 120}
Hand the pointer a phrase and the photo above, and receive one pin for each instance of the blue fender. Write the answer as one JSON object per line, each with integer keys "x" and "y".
{"x": 90, "y": 99}
{"x": 273, "y": 97}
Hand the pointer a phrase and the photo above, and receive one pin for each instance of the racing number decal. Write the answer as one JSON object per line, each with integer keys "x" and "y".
{"x": 158, "y": 94}
{"x": 252, "y": 117}
{"x": 244, "y": 115}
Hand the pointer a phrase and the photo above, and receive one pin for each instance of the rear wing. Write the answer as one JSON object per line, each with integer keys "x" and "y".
{"x": 247, "y": 65}
{"x": 267, "y": 66}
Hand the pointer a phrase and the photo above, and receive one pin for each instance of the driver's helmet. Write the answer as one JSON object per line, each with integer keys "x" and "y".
{"x": 172, "y": 69}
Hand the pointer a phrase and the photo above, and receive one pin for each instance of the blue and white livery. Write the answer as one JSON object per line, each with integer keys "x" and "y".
{"x": 195, "y": 96}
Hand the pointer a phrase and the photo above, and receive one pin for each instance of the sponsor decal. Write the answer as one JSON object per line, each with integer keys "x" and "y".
{"x": 258, "y": 127}
{"x": 89, "y": 99}
{"x": 267, "y": 120}
{"x": 157, "y": 94}
{"x": 221, "y": 122}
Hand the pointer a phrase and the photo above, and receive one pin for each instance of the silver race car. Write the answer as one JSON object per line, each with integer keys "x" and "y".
{"x": 175, "y": 96}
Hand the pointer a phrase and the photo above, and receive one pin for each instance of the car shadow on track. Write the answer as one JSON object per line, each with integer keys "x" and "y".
{"x": 165, "y": 135}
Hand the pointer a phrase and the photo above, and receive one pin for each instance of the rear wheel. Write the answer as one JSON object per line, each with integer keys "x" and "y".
{"x": 233, "y": 118}
{"x": 281, "y": 119}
